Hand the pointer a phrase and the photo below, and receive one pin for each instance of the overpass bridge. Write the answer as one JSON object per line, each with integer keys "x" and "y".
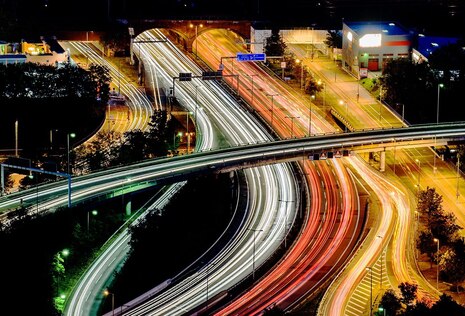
{"x": 184, "y": 32}
{"x": 178, "y": 168}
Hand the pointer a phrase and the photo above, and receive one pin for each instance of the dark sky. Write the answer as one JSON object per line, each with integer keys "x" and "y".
{"x": 429, "y": 15}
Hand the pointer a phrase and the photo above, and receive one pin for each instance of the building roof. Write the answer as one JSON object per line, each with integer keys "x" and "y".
{"x": 428, "y": 44}
{"x": 387, "y": 28}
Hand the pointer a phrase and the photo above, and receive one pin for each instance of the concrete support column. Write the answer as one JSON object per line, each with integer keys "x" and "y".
{"x": 382, "y": 161}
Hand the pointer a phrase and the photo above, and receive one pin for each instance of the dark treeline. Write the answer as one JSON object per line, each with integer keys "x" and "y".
{"x": 41, "y": 97}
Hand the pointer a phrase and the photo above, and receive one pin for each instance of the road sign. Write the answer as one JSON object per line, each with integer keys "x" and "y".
{"x": 250, "y": 57}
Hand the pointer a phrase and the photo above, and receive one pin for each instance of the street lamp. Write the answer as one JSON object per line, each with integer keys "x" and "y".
{"x": 292, "y": 123}
{"x": 419, "y": 173}
{"x": 72, "y": 135}
{"x": 437, "y": 107}
{"x": 251, "y": 76}
{"x": 187, "y": 131}
{"x": 253, "y": 256}
{"x": 196, "y": 103}
{"x": 319, "y": 82}
{"x": 436, "y": 240}
{"x": 272, "y": 96}
{"x": 196, "y": 26}
{"x": 371, "y": 289}
{"x": 106, "y": 293}
{"x": 301, "y": 62}
{"x": 310, "y": 116}
{"x": 341, "y": 102}
{"x": 94, "y": 213}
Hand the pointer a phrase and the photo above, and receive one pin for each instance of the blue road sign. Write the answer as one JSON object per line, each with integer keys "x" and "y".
{"x": 250, "y": 57}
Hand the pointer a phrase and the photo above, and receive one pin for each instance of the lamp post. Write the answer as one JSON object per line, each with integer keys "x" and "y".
{"x": 419, "y": 173}
{"x": 310, "y": 116}
{"x": 254, "y": 230}
{"x": 301, "y": 62}
{"x": 272, "y": 103}
{"x": 196, "y": 26}
{"x": 371, "y": 289}
{"x": 437, "y": 107}
{"x": 292, "y": 123}
{"x": 251, "y": 76}
{"x": 437, "y": 122}
{"x": 106, "y": 292}
{"x": 319, "y": 82}
{"x": 437, "y": 263}
{"x": 341, "y": 102}
{"x": 72, "y": 135}
{"x": 187, "y": 132}
{"x": 94, "y": 213}
{"x": 457, "y": 193}
{"x": 16, "y": 139}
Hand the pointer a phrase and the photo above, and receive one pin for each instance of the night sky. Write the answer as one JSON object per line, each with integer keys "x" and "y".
{"x": 433, "y": 16}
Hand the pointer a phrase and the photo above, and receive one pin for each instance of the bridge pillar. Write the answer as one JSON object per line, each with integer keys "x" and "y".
{"x": 382, "y": 161}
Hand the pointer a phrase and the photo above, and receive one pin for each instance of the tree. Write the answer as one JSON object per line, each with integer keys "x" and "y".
{"x": 453, "y": 266}
{"x": 426, "y": 244}
{"x": 275, "y": 46}
{"x": 409, "y": 292}
{"x": 333, "y": 39}
{"x": 390, "y": 302}
{"x": 447, "y": 306}
{"x": 411, "y": 84}
{"x": 429, "y": 202}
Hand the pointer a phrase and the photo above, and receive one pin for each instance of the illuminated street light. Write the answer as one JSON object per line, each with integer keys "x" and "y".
{"x": 94, "y": 213}
{"x": 272, "y": 103}
{"x": 196, "y": 26}
{"x": 301, "y": 62}
{"x": 72, "y": 135}
{"x": 310, "y": 116}
{"x": 319, "y": 82}
{"x": 106, "y": 293}
{"x": 371, "y": 289}
{"x": 437, "y": 263}
{"x": 437, "y": 107}
{"x": 292, "y": 123}
{"x": 253, "y": 255}
{"x": 341, "y": 102}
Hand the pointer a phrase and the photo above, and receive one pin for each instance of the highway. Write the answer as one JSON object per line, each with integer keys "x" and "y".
{"x": 238, "y": 128}
{"x": 277, "y": 119}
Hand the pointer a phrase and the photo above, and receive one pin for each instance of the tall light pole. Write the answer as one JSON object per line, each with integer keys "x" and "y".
{"x": 301, "y": 62}
{"x": 458, "y": 176}
{"x": 371, "y": 289}
{"x": 272, "y": 103}
{"x": 341, "y": 102}
{"x": 187, "y": 132}
{"x": 94, "y": 213}
{"x": 196, "y": 103}
{"x": 319, "y": 82}
{"x": 437, "y": 263}
{"x": 292, "y": 123}
{"x": 251, "y": 76}
{"x": 106, "y": 292}
{"x": 312, "y": 97}
{"x": 437, "y": 106}
{"x": 419, "y": 173}
{"x": 196, "y": 26}
{"x": 254, "y": 230}
{"x": 72, "y": 135}
{"x": 16, "y": 139}
{"x": 440, "y": 85}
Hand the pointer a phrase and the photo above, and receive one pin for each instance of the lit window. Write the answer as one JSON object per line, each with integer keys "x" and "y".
{"x": 370, "y": 40}
{"x": 349, "y": 36}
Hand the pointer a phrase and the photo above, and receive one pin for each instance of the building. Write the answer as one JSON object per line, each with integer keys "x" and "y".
{"x": 367, "y": 46}
{"x": 48, "y": 51}
{"x": 9, "y": 54}
{"x": 426, "y": 45}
